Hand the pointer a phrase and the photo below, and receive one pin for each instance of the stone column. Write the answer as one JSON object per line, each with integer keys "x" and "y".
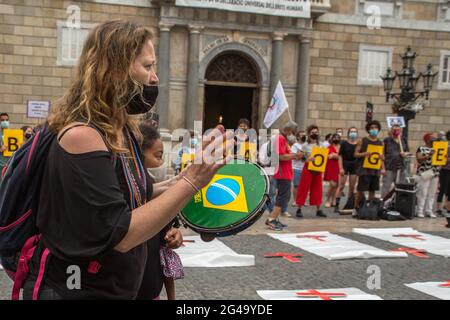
{"x": 192, "y": 76}
{"x": 164, "y": 75}
{"x": 277, "y": 61}
{"x": 302, "y": 98}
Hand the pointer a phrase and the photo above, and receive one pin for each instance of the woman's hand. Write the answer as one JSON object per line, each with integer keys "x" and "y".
{"x": 174, "y": 238}
{"x": 210, "y": 158}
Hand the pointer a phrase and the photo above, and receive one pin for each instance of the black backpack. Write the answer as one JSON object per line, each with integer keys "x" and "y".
{"x": 370, "y": 210}
{"x": 19, "y": 195}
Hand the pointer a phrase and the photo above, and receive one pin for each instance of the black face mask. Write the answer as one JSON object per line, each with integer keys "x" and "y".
{"x": 336, "y": 141}
{"x": 28, "y": 135}
{"x": 314, "y": 136}
{"x": 303, "y": 139}
{"x": 137, "y": 106}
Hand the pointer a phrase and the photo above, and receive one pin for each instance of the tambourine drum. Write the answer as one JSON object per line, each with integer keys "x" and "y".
{"x": 232, "y": 201}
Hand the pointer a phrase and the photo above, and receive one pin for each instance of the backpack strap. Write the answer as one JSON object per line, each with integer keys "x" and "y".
{"x": 22, "y": 266}
{"x": 38, "y": 283}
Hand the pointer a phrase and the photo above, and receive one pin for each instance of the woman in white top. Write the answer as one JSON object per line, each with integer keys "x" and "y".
{"x": 298, "y": 165}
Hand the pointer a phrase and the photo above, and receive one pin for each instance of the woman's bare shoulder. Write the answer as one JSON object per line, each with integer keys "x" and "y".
{"x": 81, "y": 139}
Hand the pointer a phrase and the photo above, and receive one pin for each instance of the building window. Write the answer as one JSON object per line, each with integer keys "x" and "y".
{"x": 444, "y": 70}
{"x": 373, "y": 62}
{"x": 70, "y": 43}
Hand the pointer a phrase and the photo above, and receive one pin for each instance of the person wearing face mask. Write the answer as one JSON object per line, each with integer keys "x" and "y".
{"x": 298, "y": 165}
{"x": 368, "y": 179}
{"x": 284, "y": 174}
{"x": 444, "y": 183}
{"x": 442, "y": 136}
{"x": 4, "y": 124}
{"x": 186, "y": 152}
{"x": 427, "y": 177}
{"x": 311, "y": 181}
{"x": 97, "y": 209}
{"x": 327, "y": 142}
{"x": 394, "y": 158}
{"x": 332, "y": 170}
{"x": 245, "y": 139}
{"x": 27, "y": 133}
{"x": 347, "y": 168}
{"x": 170, "y": 237}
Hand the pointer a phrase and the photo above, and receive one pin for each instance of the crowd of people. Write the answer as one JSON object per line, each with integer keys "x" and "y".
{"x": 345, "y": 164}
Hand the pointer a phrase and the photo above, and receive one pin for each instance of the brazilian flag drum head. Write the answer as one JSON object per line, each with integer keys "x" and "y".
{"x": 232, "y": 201}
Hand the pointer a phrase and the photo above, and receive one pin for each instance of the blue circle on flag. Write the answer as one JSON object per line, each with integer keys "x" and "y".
{"x": 222, "y": 192}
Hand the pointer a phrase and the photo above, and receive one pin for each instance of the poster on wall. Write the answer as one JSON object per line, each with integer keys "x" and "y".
{"x": 38, "y": 109}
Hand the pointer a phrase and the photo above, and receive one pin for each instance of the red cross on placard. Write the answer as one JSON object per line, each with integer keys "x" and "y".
{"x": 190, "y": 241}
{"x": 414, "y": 236}
{"x": 291, "y": 257}
{"x": 321, "y": 295}
{"x": 415, "y": 252}
{"x": 445, "y": 285}
{"x": 318, "y": 238}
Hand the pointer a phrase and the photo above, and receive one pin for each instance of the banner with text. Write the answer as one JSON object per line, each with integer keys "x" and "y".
{"x": 284, "y": 8}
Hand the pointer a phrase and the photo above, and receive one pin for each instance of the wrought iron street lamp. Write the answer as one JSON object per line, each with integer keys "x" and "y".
{"x": 405, "y": 102}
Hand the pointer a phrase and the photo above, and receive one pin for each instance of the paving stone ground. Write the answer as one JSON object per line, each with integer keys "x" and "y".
{"x": 313, "y": 272}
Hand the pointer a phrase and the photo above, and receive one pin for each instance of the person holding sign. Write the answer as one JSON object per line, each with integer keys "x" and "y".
{"x": 4, "y": 124}
{"x": 245, "y": 141}
{"x": 427, "y": 177}
{"x": 444, "y": 181}
{"x": 369, "y": 152}
{"x": 315, "y": 156}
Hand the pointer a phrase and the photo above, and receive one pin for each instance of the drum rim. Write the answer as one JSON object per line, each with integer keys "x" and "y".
{"x": 236, "y": 225}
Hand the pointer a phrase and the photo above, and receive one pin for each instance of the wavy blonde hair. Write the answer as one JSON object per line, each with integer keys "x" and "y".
{"x": 103, "y": 84}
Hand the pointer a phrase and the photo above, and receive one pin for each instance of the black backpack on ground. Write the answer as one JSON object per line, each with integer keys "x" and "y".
{"x": 370, "y": 210}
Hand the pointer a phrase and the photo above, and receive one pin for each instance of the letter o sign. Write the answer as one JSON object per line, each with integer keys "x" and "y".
{"x": 318, "y": 160}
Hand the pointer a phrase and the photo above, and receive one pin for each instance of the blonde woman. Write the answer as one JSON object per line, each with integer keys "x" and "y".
{"x": 95, "y": 210}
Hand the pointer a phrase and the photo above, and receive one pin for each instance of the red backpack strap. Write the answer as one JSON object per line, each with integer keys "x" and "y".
{"x": 38, "y": 283}
{"x": 22, "y": 267}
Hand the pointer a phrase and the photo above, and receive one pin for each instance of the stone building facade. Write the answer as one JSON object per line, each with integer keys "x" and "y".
{"x": 219, "y": 65}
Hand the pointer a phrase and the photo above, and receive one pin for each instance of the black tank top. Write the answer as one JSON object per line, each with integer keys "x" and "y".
{"x": 84, "y": 212}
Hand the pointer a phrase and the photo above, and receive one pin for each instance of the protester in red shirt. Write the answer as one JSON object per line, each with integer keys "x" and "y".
{"x": 284, "y": 173}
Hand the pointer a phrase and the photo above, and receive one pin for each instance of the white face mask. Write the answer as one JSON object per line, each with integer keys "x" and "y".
{"x": 159, "y": 173}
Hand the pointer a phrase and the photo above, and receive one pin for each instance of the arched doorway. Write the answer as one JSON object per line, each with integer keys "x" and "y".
{"x": 231, "y": 91}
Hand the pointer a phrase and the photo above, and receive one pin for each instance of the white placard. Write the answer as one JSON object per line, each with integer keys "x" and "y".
{"x": 411, "y": 238}
{"x": 284, "y": 8}
{"x": 391, "y": 121}
{"x": 439, "y": 290}
{"x": 215, "y": 254}
{"x": 350, "y": 294}
{"x": 334, "y": 247}
{"x": 38, "y": 109}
